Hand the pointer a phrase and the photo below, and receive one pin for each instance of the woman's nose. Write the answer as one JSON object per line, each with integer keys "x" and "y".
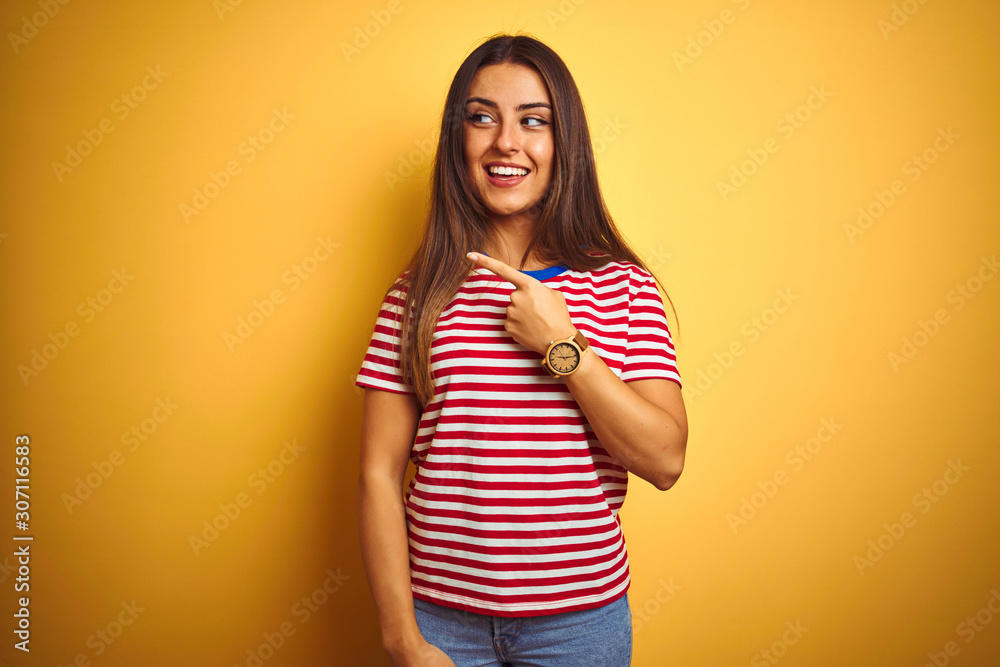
{"x": 506, "y": 139}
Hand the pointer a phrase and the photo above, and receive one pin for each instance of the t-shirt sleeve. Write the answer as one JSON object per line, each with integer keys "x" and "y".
{"x": 649, "y": 350}
{"x": 380, "y": 368}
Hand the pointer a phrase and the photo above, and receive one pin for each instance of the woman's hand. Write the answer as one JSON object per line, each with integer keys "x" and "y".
{"x": 424, "y": 655}
{"x": 537, "y": 314}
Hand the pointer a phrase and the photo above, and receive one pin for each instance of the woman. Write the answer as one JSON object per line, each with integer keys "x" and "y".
{"x": 522, "y": 396}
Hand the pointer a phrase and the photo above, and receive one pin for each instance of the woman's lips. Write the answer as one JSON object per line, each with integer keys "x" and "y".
{"x": 504, "y": 181}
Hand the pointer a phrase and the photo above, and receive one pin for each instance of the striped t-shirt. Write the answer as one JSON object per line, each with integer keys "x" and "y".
{"x": 513, "y": 510}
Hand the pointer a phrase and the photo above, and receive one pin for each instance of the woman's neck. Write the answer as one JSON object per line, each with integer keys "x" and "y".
{"x": 514, "y": 235}
{"x": 511, "y": 256}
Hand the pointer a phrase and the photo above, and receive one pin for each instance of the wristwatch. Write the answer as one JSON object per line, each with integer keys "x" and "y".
{"x": 564, "y": 355}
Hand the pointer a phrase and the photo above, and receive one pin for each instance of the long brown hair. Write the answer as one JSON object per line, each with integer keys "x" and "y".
{"x": 572, "y": 222}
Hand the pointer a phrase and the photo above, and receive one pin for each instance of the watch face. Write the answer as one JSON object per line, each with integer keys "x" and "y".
{"x": 563, "y": 358}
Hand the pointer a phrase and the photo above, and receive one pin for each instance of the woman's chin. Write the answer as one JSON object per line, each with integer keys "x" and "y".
{"x": 524, "y": 210}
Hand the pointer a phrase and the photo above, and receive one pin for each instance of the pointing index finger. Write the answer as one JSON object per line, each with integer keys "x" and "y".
{"x": 508, "y": 273}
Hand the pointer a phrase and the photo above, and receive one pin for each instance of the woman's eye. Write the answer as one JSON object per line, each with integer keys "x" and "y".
{"x": 530, "y": 121}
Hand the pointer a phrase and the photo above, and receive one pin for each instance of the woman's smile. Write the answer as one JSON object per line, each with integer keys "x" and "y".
{"x": 505, "y": 174}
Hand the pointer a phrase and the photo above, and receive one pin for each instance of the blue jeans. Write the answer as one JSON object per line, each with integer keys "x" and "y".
{"x": 601, "y": 636}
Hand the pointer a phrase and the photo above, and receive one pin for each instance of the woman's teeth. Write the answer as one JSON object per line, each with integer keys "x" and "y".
{"x": 506, "y": 171}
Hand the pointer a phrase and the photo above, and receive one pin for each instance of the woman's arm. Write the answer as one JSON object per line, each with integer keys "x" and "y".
{"x": 641, "y": 423}
{"x": 388, "y": 426}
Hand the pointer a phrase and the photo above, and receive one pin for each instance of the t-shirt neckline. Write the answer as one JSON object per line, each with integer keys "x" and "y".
{"x": 546, "y": 273}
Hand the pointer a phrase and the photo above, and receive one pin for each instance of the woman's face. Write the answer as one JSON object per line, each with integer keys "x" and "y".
{"x": 508, "y": 121}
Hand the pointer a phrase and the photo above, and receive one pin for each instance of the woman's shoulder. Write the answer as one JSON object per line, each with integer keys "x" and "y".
{"x": 618, "y": 266}
{"x": 396, "y": 291}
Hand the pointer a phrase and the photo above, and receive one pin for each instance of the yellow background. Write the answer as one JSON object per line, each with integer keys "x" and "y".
{"x": 702, "y": 594}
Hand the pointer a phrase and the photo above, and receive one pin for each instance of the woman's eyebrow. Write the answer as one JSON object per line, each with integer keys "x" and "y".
{"x": 519, "y": 107}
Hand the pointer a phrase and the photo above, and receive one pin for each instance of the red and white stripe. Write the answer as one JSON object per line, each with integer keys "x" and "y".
{"x": 513, "y": 510}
